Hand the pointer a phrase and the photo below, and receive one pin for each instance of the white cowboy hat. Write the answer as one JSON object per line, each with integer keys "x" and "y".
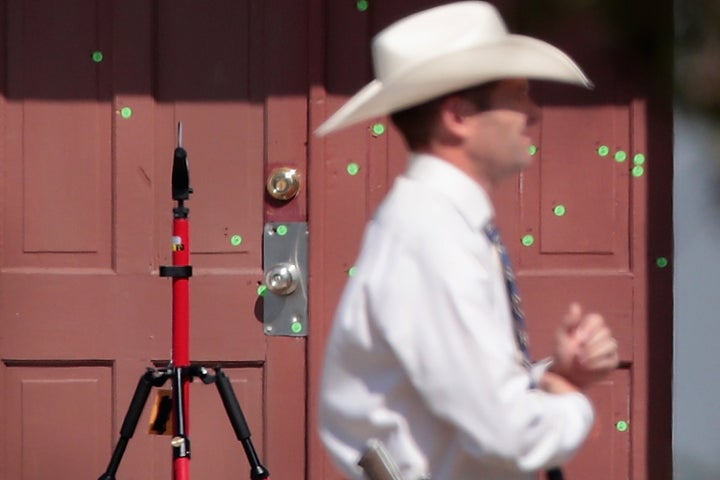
{"x": 446, "y": 49}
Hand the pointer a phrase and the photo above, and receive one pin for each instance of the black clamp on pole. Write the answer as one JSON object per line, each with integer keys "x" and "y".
{"x": 176, "y": 271}
{"x": 181, "y": 189}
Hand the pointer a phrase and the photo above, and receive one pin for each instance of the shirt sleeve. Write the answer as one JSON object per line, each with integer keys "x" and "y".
{"x": 435, "y": 303}
{"x": 539, "y": 368}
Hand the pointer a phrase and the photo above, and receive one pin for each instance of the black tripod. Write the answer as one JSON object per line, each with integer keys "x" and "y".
{"x": 157, "y": 378}
{"x": 180, "y": 371}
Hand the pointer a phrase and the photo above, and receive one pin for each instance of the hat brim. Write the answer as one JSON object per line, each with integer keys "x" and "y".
{"x": 515, "y": 56}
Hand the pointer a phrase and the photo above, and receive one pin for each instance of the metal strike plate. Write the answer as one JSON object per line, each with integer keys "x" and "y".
{"x": 285, "y": 254}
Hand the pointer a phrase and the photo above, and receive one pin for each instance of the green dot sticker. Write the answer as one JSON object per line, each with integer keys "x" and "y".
{"x": 528, "y": 240}
{"x": 352, "y": 271}
{"x": 661, "y": 262}
{"x": 603, "y": 150}
{"x": 126, "y": 112}
{"x": 281, "y": 230}
{"x": 236, "y": 240}
{"x": 362, "y": 5}
{"x": 622, "y": 426}
{"x": 620, "y": 156}
{"x": 262, "y": 290}
{"x": 353, "y": 169}
{"x": 296, "y": 327}
{"x": 639, "y": 159}
{"x": 638, "y": 171}
{"x": 378, "y": 129}
{"x": 559, "y": 210}
{"x": 532, "y": 149}
{"x": 97, "y": 56}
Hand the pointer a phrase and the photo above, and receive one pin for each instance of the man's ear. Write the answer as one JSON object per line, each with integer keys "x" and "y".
{"x": 454, "y": 111}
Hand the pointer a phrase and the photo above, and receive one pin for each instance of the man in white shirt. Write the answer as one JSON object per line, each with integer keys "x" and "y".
{"x": 427, "y": 352}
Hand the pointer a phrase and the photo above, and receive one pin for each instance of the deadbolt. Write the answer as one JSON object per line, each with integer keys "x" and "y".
{"x": 282, "y": 278}
{"x": 283, "y": 183}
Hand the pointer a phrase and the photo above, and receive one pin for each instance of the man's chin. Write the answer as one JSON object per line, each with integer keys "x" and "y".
{"x": 524, "y": 162}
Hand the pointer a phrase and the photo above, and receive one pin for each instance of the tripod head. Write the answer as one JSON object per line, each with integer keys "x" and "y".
{"x": 180, "y": 172}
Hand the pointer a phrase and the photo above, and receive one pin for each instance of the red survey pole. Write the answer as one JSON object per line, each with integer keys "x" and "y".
{"x": 181, "y": 272}
{"x": 181, "y": 350}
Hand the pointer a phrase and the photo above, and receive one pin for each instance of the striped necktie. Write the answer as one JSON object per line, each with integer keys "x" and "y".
{"x": 518, "y": 316}
{"x": 513, "y": 292}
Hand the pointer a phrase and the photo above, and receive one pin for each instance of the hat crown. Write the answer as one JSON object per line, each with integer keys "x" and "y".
{"x": 433, "y": 33}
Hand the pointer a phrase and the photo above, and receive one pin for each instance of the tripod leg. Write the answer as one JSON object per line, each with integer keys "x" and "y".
{"x": 240, "y": 426}
{"x": 142, "y": 392}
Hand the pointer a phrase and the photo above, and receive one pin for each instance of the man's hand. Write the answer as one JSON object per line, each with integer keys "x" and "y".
{"x": 585, "y": 350}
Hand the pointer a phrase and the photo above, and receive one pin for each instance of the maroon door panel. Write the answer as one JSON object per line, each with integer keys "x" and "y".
{"x": 605, "y": 453}
{"x": 59, "y": 195}
{"x": 575, "y": 197}
{"x": 61, "y": 411}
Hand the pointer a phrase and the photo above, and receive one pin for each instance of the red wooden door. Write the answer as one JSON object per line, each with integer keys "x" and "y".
{"x": 90, "y": 95}
{"x": 577, "y": 222}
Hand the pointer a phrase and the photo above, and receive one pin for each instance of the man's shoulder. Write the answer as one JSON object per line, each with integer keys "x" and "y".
{"x": 409, "y": 210}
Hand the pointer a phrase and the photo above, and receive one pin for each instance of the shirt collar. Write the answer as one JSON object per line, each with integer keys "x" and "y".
{"x": 466, "y": 195}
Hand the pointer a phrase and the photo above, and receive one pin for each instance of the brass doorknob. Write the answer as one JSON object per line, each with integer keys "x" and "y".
{"x": 282, "y": 278}
{"x": 283, "y": 183}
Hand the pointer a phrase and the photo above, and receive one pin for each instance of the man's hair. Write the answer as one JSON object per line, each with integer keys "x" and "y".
{"x": 416, "y": 123}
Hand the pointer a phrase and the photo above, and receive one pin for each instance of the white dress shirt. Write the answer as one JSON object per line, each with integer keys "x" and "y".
{"x": 422, "y": 354}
